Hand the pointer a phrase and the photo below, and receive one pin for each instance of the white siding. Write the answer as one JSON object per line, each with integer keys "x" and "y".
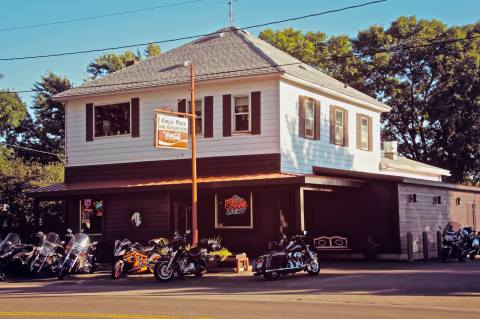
{"x": 122, "y": 149}
{"x": 300, "y": 154}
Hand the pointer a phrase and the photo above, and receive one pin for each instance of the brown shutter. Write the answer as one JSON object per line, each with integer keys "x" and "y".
{"x": 89, "y": 122}
{"x": 227, "y": 115}
{"x": 345, "y": 127}
{"x": 370, "y": 134}
{"x": 301, "y": 116}
{"x": 256, "y": 112}
{"x": 208, "y": 117}
{"x": 359, "y": 130}
{"x": 135, "y": 117}
{"x": 317, "y": 119}
{"x": 182, "y": 106}
{"x": 332, "y": 124}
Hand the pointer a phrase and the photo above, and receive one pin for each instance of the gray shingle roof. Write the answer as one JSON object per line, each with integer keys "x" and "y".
{"x": 236, "y": 53}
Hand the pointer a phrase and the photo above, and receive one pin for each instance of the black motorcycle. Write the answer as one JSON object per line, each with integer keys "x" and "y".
{"x": 179, "y": 261}
{"x": 8, "y": 247}
{"x": 459, "y": 244}
{"x": 48, "y": 256}
{"x": 80, "y": 256}
{"x": 287, "y": 257}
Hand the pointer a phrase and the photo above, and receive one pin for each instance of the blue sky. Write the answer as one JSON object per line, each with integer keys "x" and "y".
{"x": 166, "y": 23}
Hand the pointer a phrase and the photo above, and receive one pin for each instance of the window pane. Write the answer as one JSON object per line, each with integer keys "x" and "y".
{"x": 338, "y": 135}
{"x": 199, "y": 114}
{"x": 241, "y": 122}
{"x": 339, "y": 118}
{"x": 241, "y": 104}
{"x": 112, "y": 119}
{"x": 91, "y": 215}
{"x": 309, "y": 128}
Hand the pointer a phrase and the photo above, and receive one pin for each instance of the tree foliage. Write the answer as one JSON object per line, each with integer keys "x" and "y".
{"x": 12, "y": 111}
{"x": 433, "y": 89}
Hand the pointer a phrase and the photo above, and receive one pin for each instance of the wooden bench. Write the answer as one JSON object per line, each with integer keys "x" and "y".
{"x": 334, "y": 244}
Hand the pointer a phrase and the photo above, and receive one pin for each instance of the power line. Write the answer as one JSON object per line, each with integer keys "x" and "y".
{"x": 31, "y": 26}
{"x": 31, "y": 149}
{"x": 190, "y": 37}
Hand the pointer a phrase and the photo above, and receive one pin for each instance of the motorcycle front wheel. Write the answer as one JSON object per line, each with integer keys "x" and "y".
{"x": 314, "y": 268}
{"x": 152, "y": 260}
{"x": 162, "y": 272}
{"x": 117, "y": 270}
{"x": 62, "y": 274}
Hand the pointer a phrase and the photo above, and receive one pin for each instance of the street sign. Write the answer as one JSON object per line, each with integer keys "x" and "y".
{"x": 171, "y": 132}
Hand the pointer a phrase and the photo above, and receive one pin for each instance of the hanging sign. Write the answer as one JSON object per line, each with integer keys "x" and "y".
{"x": 171, "y": 132}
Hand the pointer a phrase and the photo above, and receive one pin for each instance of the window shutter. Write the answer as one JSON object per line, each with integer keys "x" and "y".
{"x": 208, "y": 117}
{"x": 332, "y": 124}
{"x": 89, "y": 122}
{"x": 317, "y": 119}
{"x": 227, "y": 115}
{"x": 135, "y": 117}
{"x": 370, "y": 134}
{"x": 345, "y": 128}
{"x": 301, "y": 116}
{"x": 359, "y": 131}
{"x": 182, "y": 106}
{"x": 256, "y": 112}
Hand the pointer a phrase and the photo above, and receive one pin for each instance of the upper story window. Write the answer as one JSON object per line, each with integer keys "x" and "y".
{"x": 364, "y": 132}
{"x": 241, "y": 113}
{"x": 112, "y": 119}
{"x": 338, "y": 126}
{"x": 309, "y": 119}
{"x": 199, "y": 115}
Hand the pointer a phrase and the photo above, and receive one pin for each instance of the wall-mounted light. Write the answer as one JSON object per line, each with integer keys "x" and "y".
{"x": 437, "y": 199}
{"x": 458, "y": 201}
{"x": 412, "y": 198}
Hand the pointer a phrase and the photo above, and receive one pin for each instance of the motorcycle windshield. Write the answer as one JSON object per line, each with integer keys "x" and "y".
{"x": 50, "y": 243}
{"x": 11, "y": 240}
{"x": 79, "y": 243}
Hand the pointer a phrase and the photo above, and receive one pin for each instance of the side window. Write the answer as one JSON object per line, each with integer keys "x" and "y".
{"x": 364, "y": 132}
{"x": 241, "y": 113}
{"x": 112, "y": 119}
{"x": 199, "y": 114}
{"x": 309, "y": 119}
{"x": 338, "y": 126}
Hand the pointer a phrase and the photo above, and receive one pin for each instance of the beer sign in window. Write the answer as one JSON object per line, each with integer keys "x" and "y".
{"x": 233, "y": 210}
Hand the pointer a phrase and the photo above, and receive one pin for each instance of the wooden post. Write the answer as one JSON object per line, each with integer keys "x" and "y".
{"x": 299, "y": 209}
{"x": 36, "y": 214}
{"x": 194, "y": 157}
{"x": 410, "y": 246}
{"x": 425, "y": 248}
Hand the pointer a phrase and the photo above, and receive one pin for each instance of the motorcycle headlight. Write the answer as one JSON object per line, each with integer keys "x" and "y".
{"x": 476, "y": 243}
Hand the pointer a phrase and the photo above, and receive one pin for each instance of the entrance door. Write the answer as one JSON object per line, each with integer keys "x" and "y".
{"x": 471, "y": 214}
{"x": 182, "y": 217}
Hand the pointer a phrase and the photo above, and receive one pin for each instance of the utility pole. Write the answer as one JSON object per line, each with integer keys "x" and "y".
{"x": 194, "y": 156}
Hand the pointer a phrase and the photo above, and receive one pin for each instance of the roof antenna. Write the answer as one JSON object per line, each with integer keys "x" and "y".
{"x": 231, "y": 18}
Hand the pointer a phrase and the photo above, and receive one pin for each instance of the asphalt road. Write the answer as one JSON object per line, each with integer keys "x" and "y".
{"x": 353, "y": 290}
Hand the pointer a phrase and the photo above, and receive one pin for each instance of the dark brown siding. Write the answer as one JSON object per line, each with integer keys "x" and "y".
{"x": 256, "y": 112}
{"x": 301, "y": 116}
{"x": 214, "y": 166}
{"x": 208, "y": 131}
{"x": 135, "y": 117}
{"x": 89, "y": 122}
{"x": 227, "y": 115}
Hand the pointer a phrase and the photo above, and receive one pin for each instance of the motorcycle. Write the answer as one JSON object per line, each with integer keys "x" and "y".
{"x": 24, "y": 253}
{"x": 79, "y": 257}
{"x": 134, "y": 258}
{"x": 48, "y": 256}
{"x": 8, "y": 247}
{"x": 287, "y": 257}
{"x": 180, "y": 262}
{"x": 459, "y": 243}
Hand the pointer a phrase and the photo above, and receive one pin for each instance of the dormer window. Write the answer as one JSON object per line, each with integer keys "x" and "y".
{"x": 241, "y": 113}
{"x": 112, "y": 119}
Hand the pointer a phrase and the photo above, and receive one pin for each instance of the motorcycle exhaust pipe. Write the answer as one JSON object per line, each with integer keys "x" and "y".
{"x": 285, "y": 269}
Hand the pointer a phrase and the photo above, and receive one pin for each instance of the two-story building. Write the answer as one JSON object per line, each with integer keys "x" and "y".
{"x": 281, "y": 146}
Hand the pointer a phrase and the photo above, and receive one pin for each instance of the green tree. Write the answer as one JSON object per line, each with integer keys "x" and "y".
{"x": 12, "y": 111}
{"x": 152, "y": 50}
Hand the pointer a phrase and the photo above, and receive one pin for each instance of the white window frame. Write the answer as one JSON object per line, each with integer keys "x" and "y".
{"x": 234, "y": 131}
{"x": 80, "y": 217}
{"x": 367, "y": 142}
{"x": 312, "y": 119}
{"x": 111, "y": 136}
{"x": 202, "y": 100}
{"x": 217, "y": 226}
{"x": 342, "y": 127}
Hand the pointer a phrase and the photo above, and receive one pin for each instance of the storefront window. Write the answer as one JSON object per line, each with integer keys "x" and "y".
{"x": 91, "y": 215}
{"x": 233, "y": 210}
